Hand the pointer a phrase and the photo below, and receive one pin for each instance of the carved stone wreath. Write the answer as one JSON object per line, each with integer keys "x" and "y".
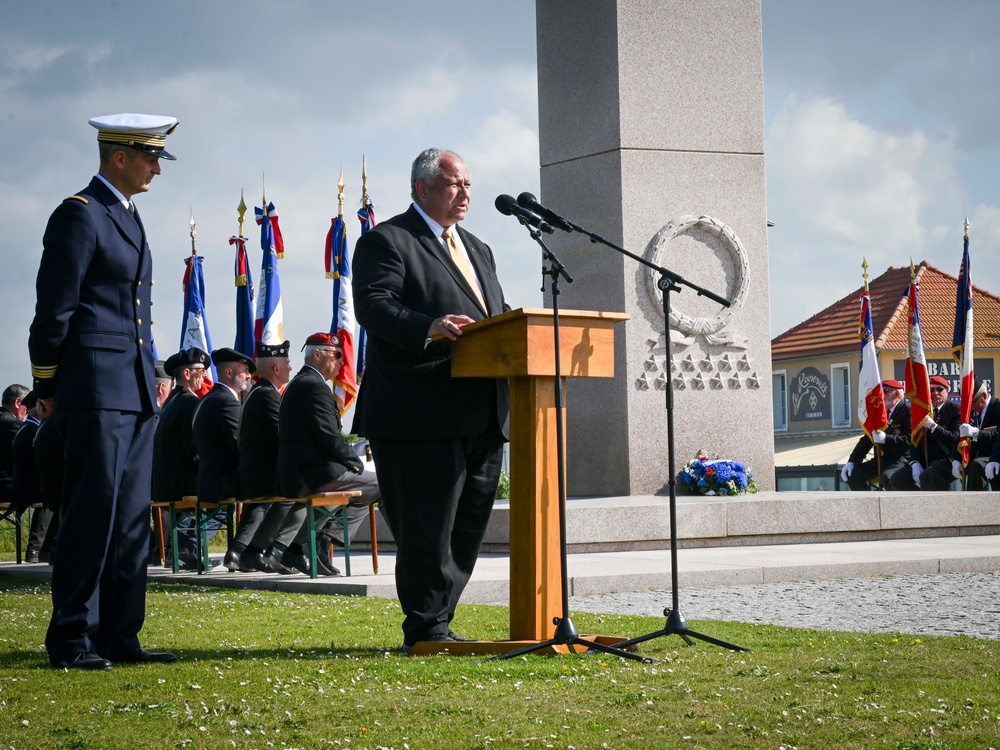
{"x": 705, "y": 326}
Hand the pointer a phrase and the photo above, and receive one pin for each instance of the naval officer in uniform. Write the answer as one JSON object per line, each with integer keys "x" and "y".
{"x": 92, "y": 364}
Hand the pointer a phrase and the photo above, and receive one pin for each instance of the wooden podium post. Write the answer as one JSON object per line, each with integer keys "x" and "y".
{"x": 520, "y": 345}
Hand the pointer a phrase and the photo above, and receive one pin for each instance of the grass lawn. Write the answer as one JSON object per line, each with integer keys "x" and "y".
{"x": 272, "y": 670}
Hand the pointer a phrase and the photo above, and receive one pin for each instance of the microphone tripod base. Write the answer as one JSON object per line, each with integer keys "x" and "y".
{"x": 677, "y": 625}
{"x": 566, "y": 639}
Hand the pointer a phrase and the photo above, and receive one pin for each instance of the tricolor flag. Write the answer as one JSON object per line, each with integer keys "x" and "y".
{"x": 268, "y": 325}
{"x": 961, "y": 347}
{"x": 871, "y": 399}
{"x": 194, "y": 329}
{"x": 918, "y": 386}
{"x": 366, "y": 215}
{"x": 338, "y": 268}
{"x": 244, "y": 299}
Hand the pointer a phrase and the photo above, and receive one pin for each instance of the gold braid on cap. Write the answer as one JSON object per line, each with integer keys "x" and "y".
{"x": 131, "y": 139}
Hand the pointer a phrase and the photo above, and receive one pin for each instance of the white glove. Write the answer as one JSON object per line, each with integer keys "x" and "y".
{"x": 967, "y": 431}
{"x": 992, "y": 469}
{"x": 846, "y": 473}
{"x": 928, "y": 423}
{"x": 878, "y": 437}
{"x": 917, "y": 471}
{"x": 956, "y": 469}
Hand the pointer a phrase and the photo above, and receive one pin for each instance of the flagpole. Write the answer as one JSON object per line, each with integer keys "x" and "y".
{"x": 878, "y": 448}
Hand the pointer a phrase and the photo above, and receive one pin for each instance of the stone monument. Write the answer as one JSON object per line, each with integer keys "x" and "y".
{"x": 651, "y": 123}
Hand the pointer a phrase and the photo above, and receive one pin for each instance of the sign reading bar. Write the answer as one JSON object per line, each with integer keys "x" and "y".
{"x": 950, "y": 371}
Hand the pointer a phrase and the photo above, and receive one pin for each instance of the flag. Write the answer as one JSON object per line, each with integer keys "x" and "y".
{"x": 918, "y": 386}
{"x": 871, "y": 399}
{"x": 268, "y": 326}
{"x": 366, "y": 215}
{"x": 194, "y": 328}
{"x": 244, "y": 299}
{"x": 338, "y": 268}
{"x": 961, "y": 348}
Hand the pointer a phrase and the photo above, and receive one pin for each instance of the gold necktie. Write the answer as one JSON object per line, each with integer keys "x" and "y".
{"x": 461, "y": 260}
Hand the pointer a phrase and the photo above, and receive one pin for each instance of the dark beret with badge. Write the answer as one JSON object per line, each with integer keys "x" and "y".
{"x": 186, "y": 358}
{"x": 226, "y": 355}
{"x": 273, "y": 350}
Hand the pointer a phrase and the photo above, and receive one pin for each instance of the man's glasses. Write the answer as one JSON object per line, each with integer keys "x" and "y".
{"x": 938, "y": 389}
{"x": 337, "y": 353}
{"x": 198, "y": 369}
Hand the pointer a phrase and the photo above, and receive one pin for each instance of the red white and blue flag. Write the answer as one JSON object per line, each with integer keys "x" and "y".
{"x": 338, "y": 268}
{"x": 918, "y": 385}
{"x": 244, "y": 343}
{"x": 194, "y": 329}
{"x": 268, "y": 323}
{"x": 871, "y": 399}
{"x": 961, "y": 348}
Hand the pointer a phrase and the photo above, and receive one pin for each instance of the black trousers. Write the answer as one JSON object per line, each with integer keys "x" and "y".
{"x": 437, "y": 496}
{"x": 99, "y": 563}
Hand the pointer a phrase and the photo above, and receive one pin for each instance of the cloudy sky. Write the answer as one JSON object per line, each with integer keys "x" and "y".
{"x": 881, "y": 121}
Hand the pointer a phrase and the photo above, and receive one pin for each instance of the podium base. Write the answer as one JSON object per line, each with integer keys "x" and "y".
{"x": 497, "y": 648}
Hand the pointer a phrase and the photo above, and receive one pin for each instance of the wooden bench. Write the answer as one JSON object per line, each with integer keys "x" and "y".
{"x": 320, "y": 506}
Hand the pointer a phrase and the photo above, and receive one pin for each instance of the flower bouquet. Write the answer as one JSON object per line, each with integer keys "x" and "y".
{"x": 715, "y": 476}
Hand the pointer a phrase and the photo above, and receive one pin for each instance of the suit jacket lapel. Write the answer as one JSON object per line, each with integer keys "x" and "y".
{"x": 128, "y": 225}
{"x": 433, "y": 245}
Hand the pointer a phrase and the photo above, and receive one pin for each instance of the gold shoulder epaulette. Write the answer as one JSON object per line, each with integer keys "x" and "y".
{"x": 76, "y": 198}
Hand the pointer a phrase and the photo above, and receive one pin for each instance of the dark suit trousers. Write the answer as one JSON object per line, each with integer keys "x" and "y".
{"x": 437, "y": 496}
{"x": 99, "y": 568}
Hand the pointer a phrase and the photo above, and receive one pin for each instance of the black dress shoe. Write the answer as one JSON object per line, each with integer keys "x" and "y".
{"x": 455, "y": 636}
{"x": 85, "y": 660}
{"x": 253, "y": 562}
{"x": 147, "y": 657}
{"x": 31, "y": 556}
{"x": 276, "y": 563}
{"x": 326, "y": 568}
{"x": 295, "y": 561}
{"x": 232, "y": 561}
{"x": 189, "y": 560}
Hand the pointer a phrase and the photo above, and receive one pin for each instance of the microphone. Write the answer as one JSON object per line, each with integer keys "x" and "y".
{"x": 508, "y": 207}
{"x": 530, "y": 202}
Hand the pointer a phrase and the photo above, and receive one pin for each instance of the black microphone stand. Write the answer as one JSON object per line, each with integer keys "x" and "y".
{"x": 565, "y": 633}
{"x": 669, "y": 282}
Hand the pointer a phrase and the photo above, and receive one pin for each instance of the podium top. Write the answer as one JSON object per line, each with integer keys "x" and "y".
{"x": 521, "y": 343}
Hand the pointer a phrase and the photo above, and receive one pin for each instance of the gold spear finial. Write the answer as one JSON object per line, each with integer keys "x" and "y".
{"x": 340, "y": 195}
{"x": 241, "y": 210}
{"x": 864, "y": 271}
{"x": 194, "y": 234}
{"x": 364, "y": 182}
{"x": 913, "y": 271}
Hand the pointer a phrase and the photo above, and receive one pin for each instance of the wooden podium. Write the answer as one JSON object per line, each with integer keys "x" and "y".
{"x": 520, "y": 346}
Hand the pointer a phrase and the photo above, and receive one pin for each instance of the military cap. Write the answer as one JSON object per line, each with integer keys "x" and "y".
{"x": 322, "y": 339}
{"x": 161, "y": 370}
{"x": 275, "y": 350}
{"x": 938, "y": 380}
{"x": 186, "y": 358}
{"x": 892, "y": 384}
{"x": 979, "y": 389}
{"x": 29, "y": 400}
{"x": 225, "y": 355}
{"x": 144, "y": 132}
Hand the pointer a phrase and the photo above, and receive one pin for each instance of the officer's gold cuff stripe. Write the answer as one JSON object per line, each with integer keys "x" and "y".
{"x": 43, "y": 373}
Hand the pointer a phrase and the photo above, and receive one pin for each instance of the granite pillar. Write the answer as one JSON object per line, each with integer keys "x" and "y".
{"x": 651, "y": 131}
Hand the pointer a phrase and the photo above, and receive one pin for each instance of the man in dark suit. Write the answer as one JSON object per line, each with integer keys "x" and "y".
{"x": 216, "y": 422}
{"x": 12, "y": 414}
{"x": 175, "y": 455}
{"x": 941, "y": 440}
{"x": 982, "y": 432}
{"x": 27, "y": 489}
{"x": 92, "y": 360}
{"x": 893, "y": 442}
{"x": 437, "y": 441}
{"x": 258, "y": 445}
{"x": 313, "y": 455}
